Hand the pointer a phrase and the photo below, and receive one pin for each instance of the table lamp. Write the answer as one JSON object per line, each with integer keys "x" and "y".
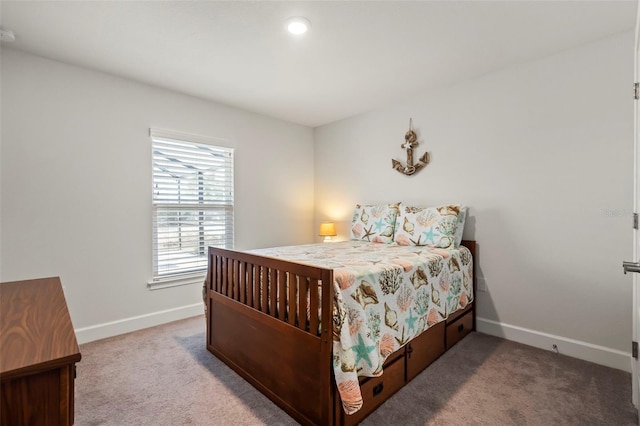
{"x": 327, "y": 230}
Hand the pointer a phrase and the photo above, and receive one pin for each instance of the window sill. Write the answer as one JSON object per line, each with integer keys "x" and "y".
{"x": 176, "y": 281}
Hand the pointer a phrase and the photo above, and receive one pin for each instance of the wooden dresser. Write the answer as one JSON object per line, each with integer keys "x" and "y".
{"x": 38, "y": 353}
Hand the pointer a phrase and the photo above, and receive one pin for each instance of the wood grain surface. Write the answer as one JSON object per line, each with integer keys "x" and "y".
{"x": 35, "y": 327}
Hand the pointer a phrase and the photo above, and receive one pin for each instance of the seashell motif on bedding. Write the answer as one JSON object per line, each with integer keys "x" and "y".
{"x": 419, "y": 278}
{"x": 433, "y": 317}
{"x": 447, "y": 228}
{"x": 435, "y": 295}
{"x": 365, "y": 294}
{"x": 388, "y": 232}
{"x": 463, "y": 300}
{"x": 377, "y": 239}
{"x": 379, "y": 210}
{"x": 390, "y": 317}
{"x": 407, "y": 226}
{"x": 357, "y": 230}
{"x": 364, "y": 217}
{"x": 344, "y": 278}
{"x": 444, "y": 253}
{"x": 454, "y": 266}
{"x": 444, "y": 282}
{"x": 445, "y": 241}
{"x": 452, "y": 210}
{"x": 387, "y": 345}
{"x": 465, "y": 256}
{"x": 405, "y": 265}
{"x": 350, "y": 396}
{"x": 427, "y": 218}
{"x": 348, "y": 363}
{"x": 402, "y": 239}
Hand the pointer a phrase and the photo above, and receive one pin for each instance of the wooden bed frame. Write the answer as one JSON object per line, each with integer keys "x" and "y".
{"x": 257, "y": 324}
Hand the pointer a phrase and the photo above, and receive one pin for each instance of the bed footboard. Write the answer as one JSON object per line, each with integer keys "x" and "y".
{"x": 270, "y": 321}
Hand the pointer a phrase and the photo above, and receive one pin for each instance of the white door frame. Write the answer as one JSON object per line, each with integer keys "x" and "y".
{"x": 635, "y": 366}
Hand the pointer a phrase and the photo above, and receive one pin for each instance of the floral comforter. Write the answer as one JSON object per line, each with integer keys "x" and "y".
{"x": 385, "y": 295}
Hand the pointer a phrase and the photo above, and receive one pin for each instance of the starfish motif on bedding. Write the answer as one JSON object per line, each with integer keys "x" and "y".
{"x": 368, "y": 233}
{"x": 428, "y": 235}
{"x": 411, "y": 320}
{"x": 379, "y": 224}
{"x": 362, "y": 351}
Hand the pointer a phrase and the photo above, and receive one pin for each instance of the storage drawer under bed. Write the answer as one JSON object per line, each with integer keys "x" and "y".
{"x": 459, "y": 328}
{"x": 424, "y": 349}
{"x": 377, "y": 390}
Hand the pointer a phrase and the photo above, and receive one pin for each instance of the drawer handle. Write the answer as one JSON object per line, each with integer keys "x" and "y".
{"x": 409, "y": 349}
{"x": 377, "y": 389}
{"x": 460, "y": 328}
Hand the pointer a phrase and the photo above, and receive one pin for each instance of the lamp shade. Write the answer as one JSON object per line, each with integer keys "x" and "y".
{"x": 327, "y": 229}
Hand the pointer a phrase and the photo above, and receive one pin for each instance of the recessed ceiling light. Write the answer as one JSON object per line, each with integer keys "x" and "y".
{"x": 298, "y": 25}
{"x": 7, "y": 35}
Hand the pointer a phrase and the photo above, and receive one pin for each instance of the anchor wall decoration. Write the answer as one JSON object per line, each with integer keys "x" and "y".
{"x": 411, "y": 141}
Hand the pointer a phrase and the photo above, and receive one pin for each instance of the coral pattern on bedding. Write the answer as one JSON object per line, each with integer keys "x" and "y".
{"x": 385, "y": 295}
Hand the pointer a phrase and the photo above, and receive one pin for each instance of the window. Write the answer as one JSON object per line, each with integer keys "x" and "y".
{"x": 192, "y": 204}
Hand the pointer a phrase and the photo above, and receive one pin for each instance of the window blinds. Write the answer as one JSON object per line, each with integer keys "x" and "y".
{"x": 192, "y": 204}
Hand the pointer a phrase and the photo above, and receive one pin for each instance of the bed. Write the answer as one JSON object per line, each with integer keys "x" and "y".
{"x": 331, "y": 354}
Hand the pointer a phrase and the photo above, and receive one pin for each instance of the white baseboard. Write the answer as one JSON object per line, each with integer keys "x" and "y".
{"x": 127, "y": 325}
{"x": 574, "y": 348}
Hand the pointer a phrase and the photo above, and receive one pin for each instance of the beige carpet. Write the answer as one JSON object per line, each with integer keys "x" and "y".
{"x": 165, "y": 376}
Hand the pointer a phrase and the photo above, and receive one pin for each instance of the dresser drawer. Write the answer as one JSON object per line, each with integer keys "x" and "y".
{"x": 459, "y": 328}
{"x": 424, "y": 349}
{"x": 376, "y": 390}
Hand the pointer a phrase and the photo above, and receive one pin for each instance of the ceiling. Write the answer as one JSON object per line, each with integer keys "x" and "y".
{"x": 358, "y": 55}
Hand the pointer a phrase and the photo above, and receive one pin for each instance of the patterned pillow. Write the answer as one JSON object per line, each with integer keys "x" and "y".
{"x": 374, "y": 223}
{"x": 427, "y": 226}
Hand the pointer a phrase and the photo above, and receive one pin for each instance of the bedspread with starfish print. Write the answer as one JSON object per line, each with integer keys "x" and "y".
{"x": 385, "y": 295}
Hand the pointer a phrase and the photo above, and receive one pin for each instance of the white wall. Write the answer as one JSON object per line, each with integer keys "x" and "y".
{"x": 76, "y": 180}
{"x": 542, "y": 153}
